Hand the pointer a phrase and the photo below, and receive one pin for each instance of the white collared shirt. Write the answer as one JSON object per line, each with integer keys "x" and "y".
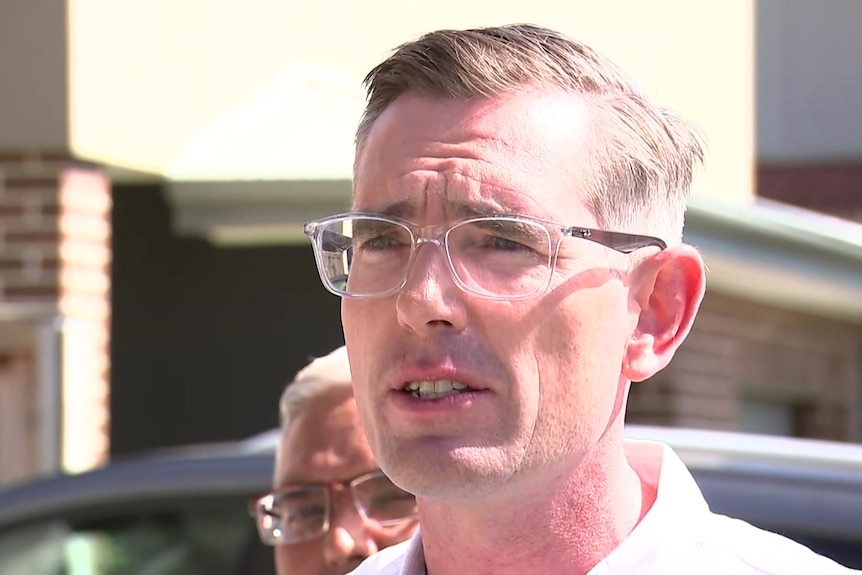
{"x": 679, "y": 535}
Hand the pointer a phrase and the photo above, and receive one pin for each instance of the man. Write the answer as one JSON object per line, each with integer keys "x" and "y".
{"x": 331, "y": 506}
{"x": 512, "y": 263}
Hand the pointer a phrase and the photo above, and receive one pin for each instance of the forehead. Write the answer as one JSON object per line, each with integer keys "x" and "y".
{"x": 325, "y": 442}
{"x": 520, "y": 153}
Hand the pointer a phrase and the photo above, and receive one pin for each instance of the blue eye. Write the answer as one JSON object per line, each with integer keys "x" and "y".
{"x": 379, "y": 243}
{"x": 505, "y": 244}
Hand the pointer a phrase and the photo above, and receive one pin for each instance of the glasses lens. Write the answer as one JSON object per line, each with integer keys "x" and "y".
{"x": 501, "y": 256}
{"x": 293, "y": 516}
{"x": 363, "y": 255}
{"x": 382, "y": 501}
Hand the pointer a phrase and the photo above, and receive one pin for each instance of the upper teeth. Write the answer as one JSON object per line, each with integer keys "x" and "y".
{"x": 436, "y": 388}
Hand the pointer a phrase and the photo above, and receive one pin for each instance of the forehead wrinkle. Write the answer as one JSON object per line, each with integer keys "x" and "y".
{"x": 453, "y": 209}
{"x": 473, "y": 144}
{"x": 462, "y": 195}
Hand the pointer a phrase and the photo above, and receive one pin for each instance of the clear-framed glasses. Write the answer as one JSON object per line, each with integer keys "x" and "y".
{"x": 301, "y": 512}
{"x": 499, "y": 257}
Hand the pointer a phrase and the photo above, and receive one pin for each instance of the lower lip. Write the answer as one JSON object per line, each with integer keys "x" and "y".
{"x": 406, "y": 401}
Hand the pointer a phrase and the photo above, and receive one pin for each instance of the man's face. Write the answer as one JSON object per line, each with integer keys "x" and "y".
{"x": 325, "y": 444}
{"x": 543, "y": 374}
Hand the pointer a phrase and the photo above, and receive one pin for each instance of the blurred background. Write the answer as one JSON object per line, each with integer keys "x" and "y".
{"x": 157, "y": 160}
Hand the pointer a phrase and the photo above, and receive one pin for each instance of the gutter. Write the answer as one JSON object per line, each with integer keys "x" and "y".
{"x": 780, "y": 255}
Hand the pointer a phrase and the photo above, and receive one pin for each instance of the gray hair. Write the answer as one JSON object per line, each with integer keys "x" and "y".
{"x": 644, "y": 155}
{"x": 321, "y": 376}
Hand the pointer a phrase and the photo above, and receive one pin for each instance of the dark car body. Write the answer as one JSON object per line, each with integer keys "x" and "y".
{"x": 185, "y": 511}
{"x": 182, "y": 511}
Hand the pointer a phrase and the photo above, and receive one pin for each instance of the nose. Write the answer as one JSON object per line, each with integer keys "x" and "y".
{"x": 349, "y": 540}
{"x": 430, "y": 298}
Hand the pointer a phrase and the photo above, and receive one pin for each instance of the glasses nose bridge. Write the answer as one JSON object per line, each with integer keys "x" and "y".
{"x": 435, "y": 235}
{"x": 341, "y": 491}
{"x": 429, "y": 235}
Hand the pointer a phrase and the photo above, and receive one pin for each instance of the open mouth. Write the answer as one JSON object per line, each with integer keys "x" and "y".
{"x": 435, "y": 389}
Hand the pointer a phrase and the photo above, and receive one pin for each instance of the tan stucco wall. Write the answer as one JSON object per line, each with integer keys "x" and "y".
{"x": 157, "y": 85}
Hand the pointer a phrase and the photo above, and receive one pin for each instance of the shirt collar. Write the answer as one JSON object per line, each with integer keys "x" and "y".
{"x": 414, "y": 561}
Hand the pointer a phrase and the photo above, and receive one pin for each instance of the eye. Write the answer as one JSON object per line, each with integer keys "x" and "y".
{"x": 378, "y": 243}
{"x": 496, "y": 244}
{"x": 305, "y": 513}
{"x": 377, "y": 235}
{"x": 499, "y": 237}
{"x": 506, "y": 244}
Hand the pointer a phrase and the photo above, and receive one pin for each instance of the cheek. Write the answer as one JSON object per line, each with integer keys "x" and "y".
{"x": 360, "y": 343}
{"x": 366, "y": 325}
{"x": 300, "y": 559}
{"x": 350, "y": 323}
{"x": 581, "y": 346}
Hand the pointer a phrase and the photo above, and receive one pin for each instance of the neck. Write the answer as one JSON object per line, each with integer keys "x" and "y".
{"x": 567, "y": 524}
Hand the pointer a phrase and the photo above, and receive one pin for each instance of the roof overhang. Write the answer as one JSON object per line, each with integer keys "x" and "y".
{"x": 780, "y": 255}
{"x": 254, "y": 212}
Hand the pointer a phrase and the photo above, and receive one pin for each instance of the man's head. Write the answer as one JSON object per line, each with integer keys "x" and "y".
{"x": 323, "y": 459}
{"x": 641, "y": 156}
{"x": 496, "y": 359}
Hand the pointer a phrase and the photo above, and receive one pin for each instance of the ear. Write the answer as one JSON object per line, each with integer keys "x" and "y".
{"x": 666, "y": 291}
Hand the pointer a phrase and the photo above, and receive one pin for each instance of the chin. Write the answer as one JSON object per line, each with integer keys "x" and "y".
{"x": 451, "y": 474}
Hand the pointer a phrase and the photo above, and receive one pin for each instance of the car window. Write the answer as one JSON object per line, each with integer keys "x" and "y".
{"x": 196, "y": 540}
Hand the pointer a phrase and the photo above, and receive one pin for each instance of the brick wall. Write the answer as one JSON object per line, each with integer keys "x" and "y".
{"x": 834, "y": 189}
{"x": 55, "y": 249}
{"x": 739, "y": 349}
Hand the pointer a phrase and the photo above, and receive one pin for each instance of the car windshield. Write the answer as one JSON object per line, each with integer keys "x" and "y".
{"x": 205, "y": 541}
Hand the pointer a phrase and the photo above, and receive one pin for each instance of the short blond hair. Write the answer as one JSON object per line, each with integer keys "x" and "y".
{"x": 323, "y": 375}
{"x": 645, "y": 155}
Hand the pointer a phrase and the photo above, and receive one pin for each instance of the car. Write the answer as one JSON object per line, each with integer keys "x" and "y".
{"x": 808, "y": 490}
{"x": 180, "y": 511}
{"x": 185, "y": 511}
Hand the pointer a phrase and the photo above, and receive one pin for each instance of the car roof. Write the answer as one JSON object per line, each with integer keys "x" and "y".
{"x": 791, "y": 485}
{"x": 227, "y": 468}
{"x": 725, "y": 449}
{"x": 148, "y": 479}
{"x": 737, "y": 470}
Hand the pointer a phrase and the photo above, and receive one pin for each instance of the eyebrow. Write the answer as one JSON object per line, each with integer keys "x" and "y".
{"x": 517, "y": 230}
{"x": 371, "y": 228}
{"x": 405, "y": 209}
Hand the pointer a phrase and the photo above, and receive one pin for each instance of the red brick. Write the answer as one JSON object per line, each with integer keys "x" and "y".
{"x": 31, "y": 293}
{"x": 11, "y": 264}
{"x": 49, "y": 263}
{"x": 12, "y": 210}
{"x": 18, "y": 158}
{"x": 834, "y": 189}
{"x": 32, "y": 237}
{"x": 49, "y": 209}
{"x": 23, "y": 183}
